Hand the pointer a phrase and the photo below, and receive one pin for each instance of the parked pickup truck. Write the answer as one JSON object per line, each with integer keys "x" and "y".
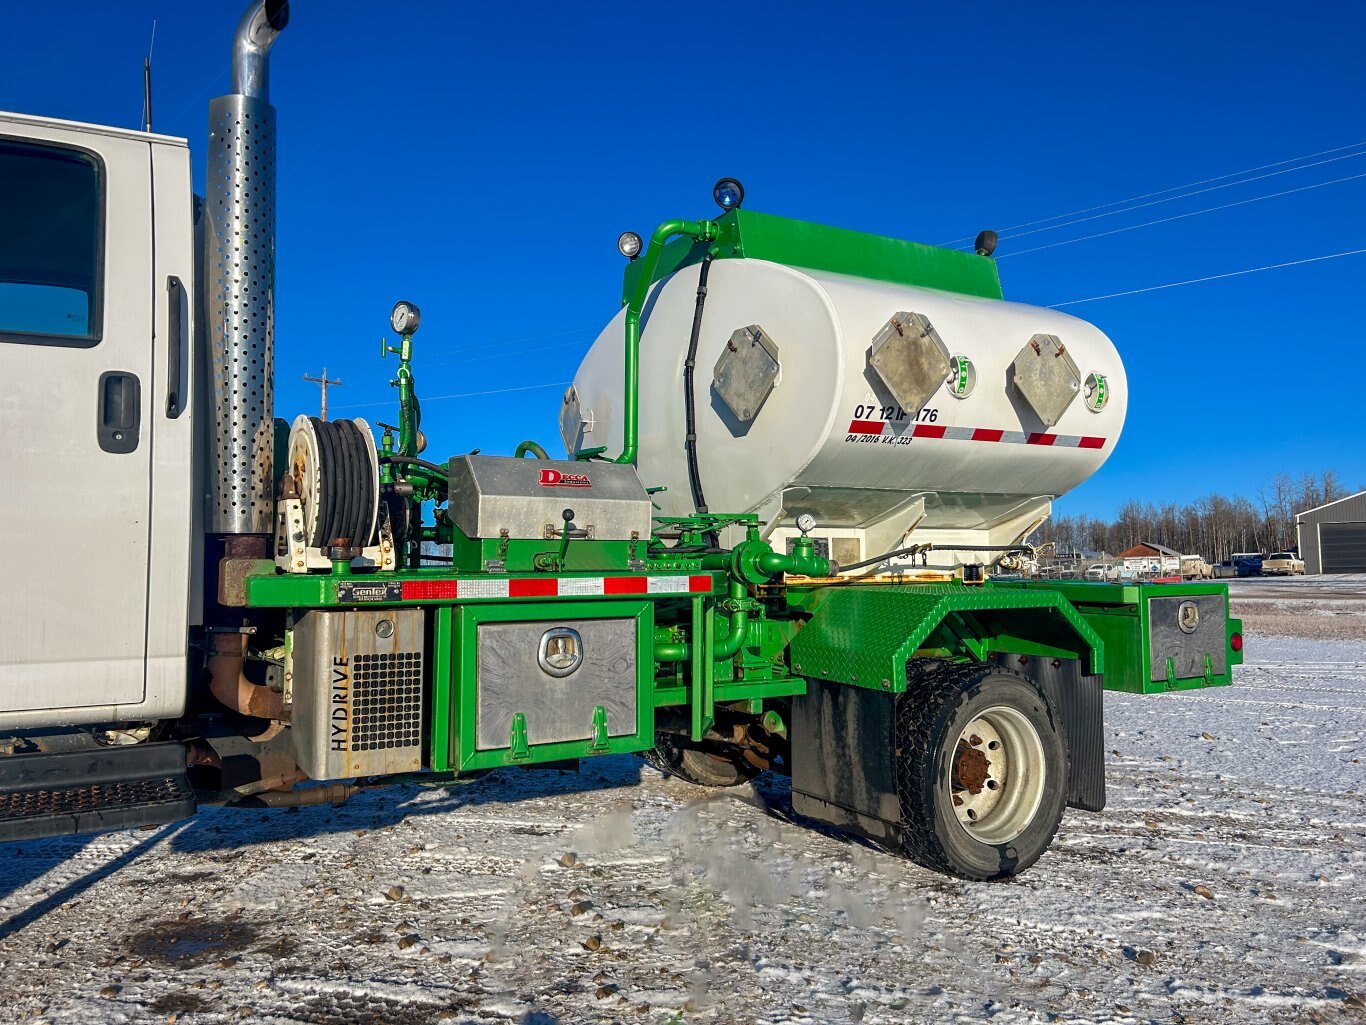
{"x": 1282, "y": 564}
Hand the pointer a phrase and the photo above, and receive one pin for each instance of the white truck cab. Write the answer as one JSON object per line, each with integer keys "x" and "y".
{"x": 97, "y": 269}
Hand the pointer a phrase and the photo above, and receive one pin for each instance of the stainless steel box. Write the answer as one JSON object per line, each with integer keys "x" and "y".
{"x": 1187, "y": 630}
{"x": 556, "y": 674}
{"x": 359, "y": 680}
{"x": 528, "y": 497}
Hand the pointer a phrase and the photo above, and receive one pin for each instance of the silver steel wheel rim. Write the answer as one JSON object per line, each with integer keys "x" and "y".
{"x": 996, "y": 775}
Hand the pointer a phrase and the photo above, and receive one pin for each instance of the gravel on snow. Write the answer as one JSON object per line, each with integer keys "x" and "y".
{"x": 1225, "y": 883}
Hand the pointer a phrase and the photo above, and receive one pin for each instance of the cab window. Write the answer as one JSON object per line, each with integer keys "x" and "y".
{"x": 51, "y": 228}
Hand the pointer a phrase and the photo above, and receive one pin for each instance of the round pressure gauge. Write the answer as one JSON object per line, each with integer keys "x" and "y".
{"x": 806, "y": 523}
{"x": 405, "y": 318}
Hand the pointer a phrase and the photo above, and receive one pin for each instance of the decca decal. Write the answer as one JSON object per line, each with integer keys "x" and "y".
{"x": 557, "y": 479}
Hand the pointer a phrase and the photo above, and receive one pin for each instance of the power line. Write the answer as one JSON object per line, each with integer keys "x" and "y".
{"x": 1185, "y": 195}
{"x": 467, "y": 394}
{"x": 1210, "y": 277}
{"x": 1163, "y": 192}
{"x": 1179, "y": 217}
{"x": 502, "y": 355}
{"x": 511, "y": 342}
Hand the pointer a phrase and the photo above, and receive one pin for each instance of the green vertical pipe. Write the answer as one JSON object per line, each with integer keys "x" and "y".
{"x": 443, "y": 679}
{"x": 702, "y": 231}
{"x": 727, "y": 647}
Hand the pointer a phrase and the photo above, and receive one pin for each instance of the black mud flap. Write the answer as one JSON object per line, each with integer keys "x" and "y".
{"x": 93, "y": 790}
{"x": 843, "y": 769}
{"x": 1079, "y": 700}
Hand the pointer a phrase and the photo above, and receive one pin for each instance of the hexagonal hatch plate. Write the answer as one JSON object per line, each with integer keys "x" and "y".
{"x": 1046, "y": 377}
{"x": 911, "y": 359}
{"x": 747, "y": 371}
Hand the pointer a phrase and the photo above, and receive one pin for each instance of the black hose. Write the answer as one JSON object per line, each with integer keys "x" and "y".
{"x": 327, "y": 504}
{"x": 689, "y": 406}
{"x": 363, "y": 485}
{"x": 436, "y": 468}
{"x": 346, "y": 526}
{"x": 917, "y": 549}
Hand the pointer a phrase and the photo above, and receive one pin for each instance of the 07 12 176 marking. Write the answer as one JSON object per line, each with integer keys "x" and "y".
{"x": 895, "y": 414}
{"x": 870, "y": 424}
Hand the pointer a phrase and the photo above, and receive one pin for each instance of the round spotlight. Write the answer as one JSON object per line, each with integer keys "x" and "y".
{"x": 405, "y": 318}
{"x": 728, "y": 193}
{"x": 986, "y": 243}
{"x": 628, "y": 244}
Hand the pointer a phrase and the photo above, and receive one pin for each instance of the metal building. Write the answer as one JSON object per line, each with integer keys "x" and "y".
{"x": 1332, "y": 537}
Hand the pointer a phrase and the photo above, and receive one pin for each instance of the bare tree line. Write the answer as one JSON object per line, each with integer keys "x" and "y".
{"x": 1215, "y": 526}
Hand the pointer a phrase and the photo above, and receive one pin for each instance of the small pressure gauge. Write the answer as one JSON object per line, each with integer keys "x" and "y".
{"x": 405, "y": 318}
{"x": 806, "y": 523}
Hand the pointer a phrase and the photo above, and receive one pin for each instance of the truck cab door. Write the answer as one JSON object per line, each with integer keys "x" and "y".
{"x": 78, "y": 411}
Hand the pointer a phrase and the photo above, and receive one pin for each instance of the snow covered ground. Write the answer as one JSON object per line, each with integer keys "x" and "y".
{"x": 1225, "y": 883}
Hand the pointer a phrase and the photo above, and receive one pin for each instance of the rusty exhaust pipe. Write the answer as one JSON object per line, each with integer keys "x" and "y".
{"x": 230, "y": 686}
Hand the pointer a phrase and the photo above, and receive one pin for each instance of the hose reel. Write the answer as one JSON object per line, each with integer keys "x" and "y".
{"x": 329, "y": 498}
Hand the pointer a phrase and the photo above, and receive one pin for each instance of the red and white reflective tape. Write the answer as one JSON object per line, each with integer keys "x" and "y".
{"x": 552, "y": 587}
{"x": 975, "y": 434}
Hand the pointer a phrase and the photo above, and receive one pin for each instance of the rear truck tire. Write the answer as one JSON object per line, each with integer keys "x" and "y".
{"x": 981, "y": 770}
{"x": 697, "y": 765}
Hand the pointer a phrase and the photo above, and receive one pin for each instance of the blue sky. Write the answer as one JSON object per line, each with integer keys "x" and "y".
{"x": 480, "y": 160}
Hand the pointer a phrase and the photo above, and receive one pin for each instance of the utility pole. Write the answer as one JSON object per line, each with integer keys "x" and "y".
{"x": 324, "y": 381}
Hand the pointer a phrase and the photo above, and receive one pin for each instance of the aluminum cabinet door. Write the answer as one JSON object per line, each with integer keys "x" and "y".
{"x": 76, "y": 296}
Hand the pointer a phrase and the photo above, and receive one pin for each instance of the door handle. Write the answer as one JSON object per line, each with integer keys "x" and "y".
{"x": 120, "y": 411}
{"x": 175, "y": 344}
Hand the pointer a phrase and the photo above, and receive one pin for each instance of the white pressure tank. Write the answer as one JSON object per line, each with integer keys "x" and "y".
{"x": 890, "y": 413}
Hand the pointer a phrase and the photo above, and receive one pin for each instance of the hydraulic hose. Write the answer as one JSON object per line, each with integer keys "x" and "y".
{"x": 917, "y": 549}
{"x": 689, "y": 401}
{"x": 530, "y": 447}
{"x": 430, "y": 467}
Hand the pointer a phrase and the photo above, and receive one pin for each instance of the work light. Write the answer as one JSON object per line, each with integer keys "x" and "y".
{"x": 728, "y": 193}
{"x": 628, "y": 244}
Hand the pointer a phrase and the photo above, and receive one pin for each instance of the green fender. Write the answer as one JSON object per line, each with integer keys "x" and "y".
{"x": 863, "y": 635}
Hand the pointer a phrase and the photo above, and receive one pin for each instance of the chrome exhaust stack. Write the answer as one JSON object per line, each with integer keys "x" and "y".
{"x": 239, "y": 264}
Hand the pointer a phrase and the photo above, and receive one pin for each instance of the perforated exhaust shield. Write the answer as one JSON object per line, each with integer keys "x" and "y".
{"x": 240, "y": 267}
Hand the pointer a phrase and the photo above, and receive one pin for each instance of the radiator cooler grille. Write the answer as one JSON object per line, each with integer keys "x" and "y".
{"x": 386, "y": 701}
